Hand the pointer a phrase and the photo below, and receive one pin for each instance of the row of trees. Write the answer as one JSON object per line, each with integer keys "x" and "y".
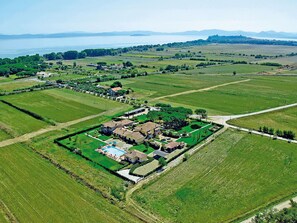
{"x": 285, "y": 134}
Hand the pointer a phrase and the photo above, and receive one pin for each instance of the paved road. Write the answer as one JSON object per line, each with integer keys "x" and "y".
{"x": 200, "y": 90}
{"x": 223, "y": 119}
{"x": 278, "y": 207}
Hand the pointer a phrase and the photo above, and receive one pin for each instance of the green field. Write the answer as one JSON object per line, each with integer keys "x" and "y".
{"x": 88, "y": 146}
{"x": 164, "y": 84}
{"x": 61, "y": 105}
{"x": 258, "y": 94}
{"x": 232, "y": 176}
{"x": 283, "y": 119}
{"x": 14, "y": 85}
{"x": 16, "y": 123}
{"x": 38, "y": 192}
{"x": 143, "y": 148}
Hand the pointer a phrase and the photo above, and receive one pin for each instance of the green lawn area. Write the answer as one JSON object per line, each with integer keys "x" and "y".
{"x": 88, "y": 146}
{"x": 258, "y": 94}
{"x": 16, "y": 123}
{"x": 197, "y": 135}
{"x": 232, "y": 176}
{"x": 97, "y": 134}
{"x": 61, "y": 105}
{"x": 283, "y": 119}
{"x": 34, "y": 191}
{"x": 4, "y": 135}
{"x": 13, "y": 85}
{"x": 143, "y": 148}
{"x": 189, "y": 128}
{"x": 142, "y": 118}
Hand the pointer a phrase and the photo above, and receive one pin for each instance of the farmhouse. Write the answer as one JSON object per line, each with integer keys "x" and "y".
{"x": 149, "y": 129}
{"x": 130, "y": 136}
{"x": 170, "y": 147}
{"x": 159, "y": 153}
{"x": 135, "y": 156}
{"x": 114, "y": 91}
{"x": 109, "y": 127}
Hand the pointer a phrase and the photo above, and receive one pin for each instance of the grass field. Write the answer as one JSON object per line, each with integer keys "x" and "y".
{"x": 164, "y": 84}
{"x": 13, "y": 85}
{"x": 61, "y": 105}
{"x": 258, "y": 94}
{"x": 44, "y": 193}
{"x": 143, "y": 148}
{"x": 234, "y": 175}
{"x": 16, "y": 123}
{"x": 284, "y": 120}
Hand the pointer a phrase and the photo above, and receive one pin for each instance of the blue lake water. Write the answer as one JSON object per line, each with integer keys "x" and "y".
{"x": 19, "y": 47}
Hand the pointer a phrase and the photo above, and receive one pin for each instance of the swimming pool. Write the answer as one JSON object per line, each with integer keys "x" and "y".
{"x": 114, "y": 151}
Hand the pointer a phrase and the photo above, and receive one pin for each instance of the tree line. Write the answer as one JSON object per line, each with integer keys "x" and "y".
{"x": 287, "y": 134}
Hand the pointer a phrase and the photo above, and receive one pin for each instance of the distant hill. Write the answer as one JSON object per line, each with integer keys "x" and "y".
{"x": 210, "y": 32}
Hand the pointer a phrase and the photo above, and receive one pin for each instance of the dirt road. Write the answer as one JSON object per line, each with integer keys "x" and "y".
{"x": 200, "y": 90}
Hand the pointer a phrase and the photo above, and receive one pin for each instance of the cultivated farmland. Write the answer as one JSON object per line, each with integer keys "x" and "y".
{"x": 60, "y": 106}
{"x": 230, "y": 177}
{"x": 44, "y": 193}
{"x": 285, "y": 119}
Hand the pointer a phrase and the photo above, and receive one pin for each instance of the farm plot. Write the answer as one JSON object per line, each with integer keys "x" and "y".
{"x": 166, "y": 84}
{"x": 16, "y": 123}
{"x": 44, "y": 193}
{"x": 60, "y": 106}
{"x": 283, "y": 120}
{"x": 258, "y": 94}
{"x": 232, "y": 176}
{"x": 14, "y": 85}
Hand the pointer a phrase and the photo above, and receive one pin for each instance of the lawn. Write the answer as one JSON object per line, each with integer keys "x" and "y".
{"x": 61, "y": 105}
{"x": 258, "y": 94}
{"x": 143, "y": 148}
{"x": 36, "y": 191}
{"x": 232, "y": 176}
{"x": 197, "y": 135}
{"x": 283, "y": 119}
{"x": 16, "y": 123}
{"x": 88, "y": 146}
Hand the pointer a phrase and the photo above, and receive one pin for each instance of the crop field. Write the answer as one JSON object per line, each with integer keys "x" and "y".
{"x": 165, "y": 84}
{"x": 208, "y": 187}
{"x": 14, "y": 85}
{"x": 61, "y": 106}
{"x": 258, "y": 94}
{"x": 283, "y": 120}
{"x": 44, "y": 193}
{"x": 16, "y": 123}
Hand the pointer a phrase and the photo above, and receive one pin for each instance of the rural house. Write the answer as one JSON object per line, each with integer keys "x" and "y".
{"x": 114, "y": 91}
{"x": 170, "y": 147}
{"x": 109, "y": 127}
{"x": 149, "y": 129}
{"x": 135, "y": 156}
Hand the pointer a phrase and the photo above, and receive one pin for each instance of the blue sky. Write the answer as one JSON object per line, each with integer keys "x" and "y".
{"x": 50, "y": 16}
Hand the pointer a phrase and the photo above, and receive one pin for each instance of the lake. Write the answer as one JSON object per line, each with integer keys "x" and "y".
{"x": 18, "y": 47}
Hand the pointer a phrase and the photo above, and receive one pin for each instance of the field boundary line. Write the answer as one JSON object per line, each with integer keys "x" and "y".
{"x": 7, "y": 213}
{"x": 28, "y": 136}
{"x": 200, "y": 90}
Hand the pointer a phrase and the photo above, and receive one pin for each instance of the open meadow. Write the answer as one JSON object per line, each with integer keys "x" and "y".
{"x": 257, "y": 94}
{"x": 14, "y": 85}
{"x": 15, "y": 123}
{"x": 61, "y": 105}
{"x": 285, "y": 119}
{"x": 44, "y": 193}
{"x": 230, "y": 177}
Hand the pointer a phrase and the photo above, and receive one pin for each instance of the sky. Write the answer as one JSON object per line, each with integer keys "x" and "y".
{"x": 53, "y": 16}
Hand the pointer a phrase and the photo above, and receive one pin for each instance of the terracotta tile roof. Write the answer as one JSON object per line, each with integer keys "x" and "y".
{"x": 173, "y": 145}
{"x": 136, "y": 154}
{"x": 147, "y": 127}
{"x": 115, "y": 89}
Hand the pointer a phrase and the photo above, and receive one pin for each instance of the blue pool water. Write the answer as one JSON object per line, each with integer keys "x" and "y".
{"x": 114, "y": 151}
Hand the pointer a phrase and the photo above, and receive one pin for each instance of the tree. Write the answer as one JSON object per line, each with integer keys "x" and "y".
{"x": 70, "y": 55}
{"x": 128, "y": 64}
{"x": 201, "y": 112}
{"x": 116, "y": 84}
{"x": 186, "y": 157}
{"x": 162, "y": 161}
{"x": 234, "y": 73}
{"x": 74, "y": 64}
